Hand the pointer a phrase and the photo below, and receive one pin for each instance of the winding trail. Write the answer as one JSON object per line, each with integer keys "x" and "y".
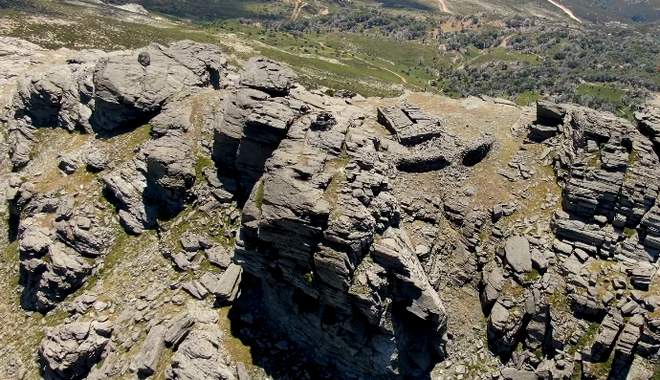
{"x": 505, "y": 41}
{"x": 563, "y": 8}
{"x": 403, "y": 79}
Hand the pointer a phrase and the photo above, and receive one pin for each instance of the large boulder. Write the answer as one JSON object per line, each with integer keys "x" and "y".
{"x": 48, "y": 282}
{"x": 518, "y": 254}
{"x": 129, "y": 94}
{"x": 108, "y": 93}
{"x": 68, "y": 352}
{"x": 169, "y": 170}
{"x": 267, "y": 76}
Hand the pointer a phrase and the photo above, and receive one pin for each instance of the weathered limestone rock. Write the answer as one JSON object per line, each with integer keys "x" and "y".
{"x": 409, "y": 124}
{"x": 251, "y": 128}
{"x": 607, "y": 334}
{"x": 267, "y": 76}
{"x": 504, "y": 325}
{"x": 170, "y": 172}
{"x": 613, "y": 171}
{"x": 146, "y": 361}
{"x": 321, "y": 231}
{"x": 49, "y": 282}
{"x": 494, "y": 281}
{"x": 228, "y": 287}
{"x": 630, "y": 335}
{"x": 518, "y": 255}
{"x": 200, "y": 357}
{"x": 178, "y": 328}
{"x": 129, "y": 94}
{"x": 69, "y": 351}
{"x": 106, "y": 93}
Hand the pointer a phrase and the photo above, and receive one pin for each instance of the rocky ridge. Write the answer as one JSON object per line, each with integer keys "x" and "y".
{"x": 301, "y": 210}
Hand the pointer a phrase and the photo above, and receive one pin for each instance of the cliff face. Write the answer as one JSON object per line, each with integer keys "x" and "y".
{"x": 356, "y": 238}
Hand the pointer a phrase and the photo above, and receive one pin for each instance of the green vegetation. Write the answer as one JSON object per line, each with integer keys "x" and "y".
{"x": 512, "y": 288}
{"x": 532, "y": 276}
{"x": 607, "y": 92}
{"x": 527, "y": 97}
{"x": 601, "y": 370}
{"x": 633, "y": 158}
{"x": 577, "y": 372}
{"x": 587, "y": 339}
{"x": 558, "y": 300}
{"x": 203, "y": 162}
{"x": 259, "y": 195}
{"x": 629, "y": 232}
{"x": 309, "y": 277}
{"x": 331, "y": 193}
{"x": 594, "y": 161}
{"x": 656, "y": 373}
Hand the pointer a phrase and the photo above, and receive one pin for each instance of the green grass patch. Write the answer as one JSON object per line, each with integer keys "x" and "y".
{"x": 558, "y": 300}
{"x": 259, "y": 195}
{"x": 607, "y": 92}
{"x": 203, "y": 162}
{"x": 577, "y": 372}
{"x": 532, "y": 276}
{"x": 601, "y": 370}
{"x": 594, "y": 161}
{"x": 527, "y": 97}
{"x": 629, "y": 232}
{"x": 587, "y": 339}
{"x": 512, "y": 288}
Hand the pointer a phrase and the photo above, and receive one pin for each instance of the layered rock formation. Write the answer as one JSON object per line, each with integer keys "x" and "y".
{"x": 321, "y": 230}
{"x": 350, "y": 260}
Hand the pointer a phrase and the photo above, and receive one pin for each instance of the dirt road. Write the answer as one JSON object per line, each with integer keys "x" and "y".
{"x": 298, "y": 6}
{"x": 443, "y": 6}
{"x": 566, "y": 10}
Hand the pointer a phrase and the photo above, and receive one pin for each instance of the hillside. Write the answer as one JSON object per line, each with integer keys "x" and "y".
{"x": 375, "y": 49}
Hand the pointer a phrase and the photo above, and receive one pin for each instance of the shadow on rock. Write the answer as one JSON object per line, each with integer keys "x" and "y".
{"x": 269, "y": 347}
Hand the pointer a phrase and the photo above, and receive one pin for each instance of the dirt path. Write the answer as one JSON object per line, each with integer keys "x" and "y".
{"x": 566, "y": 10}
{"x": 505, "y": 41}
{"x": 443, "y": 6}
{"x": 298, "y": 6}
{"x": 403, "y": 79}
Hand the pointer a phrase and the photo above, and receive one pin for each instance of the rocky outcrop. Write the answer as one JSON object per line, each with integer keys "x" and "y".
{"x": 158, "y": 182}
{"x": 200, "y": 357}
{"x": 145, "y": 362}
{"x": 504, "y": 324}
{"x": 612, "y": 171}
{"x": 127, "y": 93}
{"x": 607, "y": 335}
{"x": 409, "y": 124}
{"x": 108, "y": 93}
{"x": 321, "y": 230}
{"x": 69, "y": 351}
{"x": 256, "y": 118}
{"x": 54, "y": 237}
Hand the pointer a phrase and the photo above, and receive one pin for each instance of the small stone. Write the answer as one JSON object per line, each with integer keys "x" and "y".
{"x": 144, "y": 59}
